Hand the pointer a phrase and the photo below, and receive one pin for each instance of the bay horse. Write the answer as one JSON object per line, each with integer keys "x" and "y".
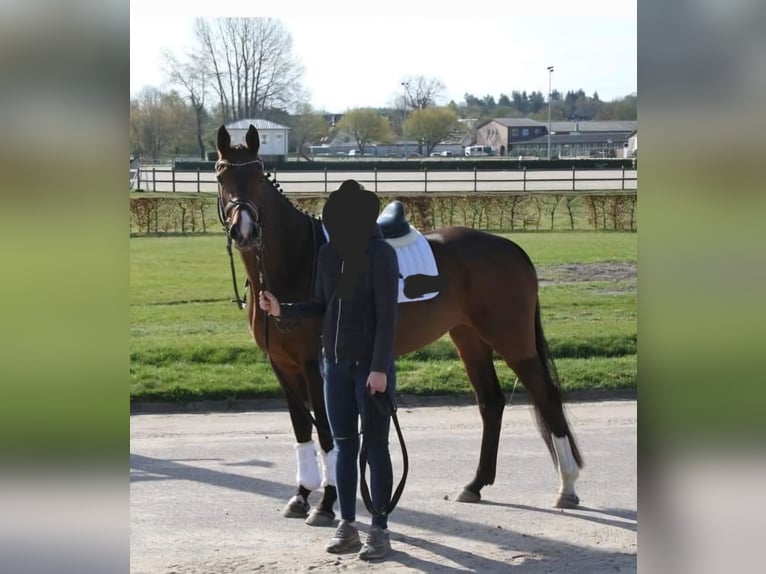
{"x": 489, "y": 303}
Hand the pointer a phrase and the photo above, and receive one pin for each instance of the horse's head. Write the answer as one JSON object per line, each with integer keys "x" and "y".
{"x": 240, "y": 175}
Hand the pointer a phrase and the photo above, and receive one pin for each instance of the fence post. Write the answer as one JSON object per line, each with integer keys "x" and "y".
{"x": 173, "y": 175}
{"x": 474, "y": 178}
{"x": 524, "y": 186}
{"x": 325, "y": 179}
{"x": 197, "y": 179}
{"x": 375, "y": 169}
{"x": 425, "y": 179}
{"x": 154, "y": 178}
{"x": 573, "y": 178}
{"x": 623, "y": 178}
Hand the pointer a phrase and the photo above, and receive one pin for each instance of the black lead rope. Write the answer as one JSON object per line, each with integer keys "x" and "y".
{"x": 239, "y": 301}
{"x": 388, "y": 408}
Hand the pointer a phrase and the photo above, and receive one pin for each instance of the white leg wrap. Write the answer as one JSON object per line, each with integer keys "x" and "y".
{"x": 327, "y": 462}
{"x": 568, "y": 470}
{"x": 308, "y": 471}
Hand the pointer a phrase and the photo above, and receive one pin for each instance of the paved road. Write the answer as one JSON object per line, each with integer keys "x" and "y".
{"x": 411, "y": 182}
{"x": 207, "y": 490}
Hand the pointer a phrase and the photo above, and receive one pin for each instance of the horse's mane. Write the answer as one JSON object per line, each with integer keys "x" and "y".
{"x": 276, "y": 185}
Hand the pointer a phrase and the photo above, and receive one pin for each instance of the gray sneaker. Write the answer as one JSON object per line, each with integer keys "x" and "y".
{"x": 377, "y": 545}
{"x": 346, "y": 539}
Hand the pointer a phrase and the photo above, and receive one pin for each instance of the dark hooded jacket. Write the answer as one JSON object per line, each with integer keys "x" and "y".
{"x": 360, "y": 328}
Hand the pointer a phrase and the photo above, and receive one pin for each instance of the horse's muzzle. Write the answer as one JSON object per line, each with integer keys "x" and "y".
{"x": 244, "y": 233}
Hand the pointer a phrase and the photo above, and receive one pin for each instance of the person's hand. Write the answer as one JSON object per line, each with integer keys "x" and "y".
{"x": 269, "y": 303}
{"x": 377, "y": 382}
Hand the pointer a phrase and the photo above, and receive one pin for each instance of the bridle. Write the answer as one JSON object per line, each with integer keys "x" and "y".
{"x": 389, "y": 408}
{"x": 225, "y": 209}
{"x": 225, "y": 217}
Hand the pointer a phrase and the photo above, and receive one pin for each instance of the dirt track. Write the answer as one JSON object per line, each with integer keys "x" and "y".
{"x": 207, "y": 490}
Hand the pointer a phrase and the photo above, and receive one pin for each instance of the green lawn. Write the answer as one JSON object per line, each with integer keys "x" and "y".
{"x": 188, "y": 341}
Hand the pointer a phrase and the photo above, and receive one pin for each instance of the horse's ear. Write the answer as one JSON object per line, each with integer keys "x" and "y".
{"x": 252, "y": 139}
{"x": 223, "y": 143}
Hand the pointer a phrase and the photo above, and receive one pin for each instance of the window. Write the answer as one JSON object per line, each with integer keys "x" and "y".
{"x": 264, "y": 138}
{"x": 515, "y": 132}
{"x": 525, "y": 132}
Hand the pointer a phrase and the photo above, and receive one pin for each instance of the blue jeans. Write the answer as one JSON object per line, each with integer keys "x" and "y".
{"x": 345, "y": 390}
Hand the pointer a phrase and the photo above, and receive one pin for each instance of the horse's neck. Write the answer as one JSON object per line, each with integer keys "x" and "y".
{"x": 286, "y": 240}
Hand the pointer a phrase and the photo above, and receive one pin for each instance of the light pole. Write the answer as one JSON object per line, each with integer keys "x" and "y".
{"x": 550, "y": 71}
{"x": 406, "y": 86}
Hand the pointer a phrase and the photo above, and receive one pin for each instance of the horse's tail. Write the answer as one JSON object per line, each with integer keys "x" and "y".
{"x": 553, "y": 385}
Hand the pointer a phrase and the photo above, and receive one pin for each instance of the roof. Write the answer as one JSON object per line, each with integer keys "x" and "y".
{"x": 576, "y": 138}
{"x": 515, "y": 122}
{"x": 258, "y": 123}
{"x": 595, "y": 126}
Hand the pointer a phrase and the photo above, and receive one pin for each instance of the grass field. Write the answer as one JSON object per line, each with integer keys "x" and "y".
{"x": 189, "y": 342}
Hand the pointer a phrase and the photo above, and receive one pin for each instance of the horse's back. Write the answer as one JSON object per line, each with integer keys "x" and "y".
{"x": 468, "y": 243}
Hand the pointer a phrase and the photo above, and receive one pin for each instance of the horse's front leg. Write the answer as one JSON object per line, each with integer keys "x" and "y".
{"x": 323, "y": 514}
{"x": 307, "y": 475}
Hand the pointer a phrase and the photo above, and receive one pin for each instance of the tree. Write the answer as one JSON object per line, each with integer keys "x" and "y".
{"x": 251, "y": 64}
{"x": 160, "y": 123}
{"x": 536, "y": 102}
{"x": 365, "y": 125}
{"x": 520, "y": 101}
{"x": 308, "y": 126}
{"x": 431, "y": 126}
{"x": 421, "y": 92}
{"x": 193, "y": 77}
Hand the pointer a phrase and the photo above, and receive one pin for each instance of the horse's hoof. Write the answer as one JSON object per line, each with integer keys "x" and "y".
{"x": 468, "y": 496}
{"x": 568, "y": 501}
{"x": 321, "y": 518}
{"x": 296, "y": 507}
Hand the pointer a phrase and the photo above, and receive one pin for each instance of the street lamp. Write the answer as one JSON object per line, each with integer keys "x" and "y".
{"x": 550, "y": 71}
{"x": 406, "y": 86}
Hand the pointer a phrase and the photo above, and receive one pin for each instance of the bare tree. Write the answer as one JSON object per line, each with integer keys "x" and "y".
{"x": 251, "y": 64}
{"x": 160, "y": 123}
{"x": 421, "y": 92}
{"x": 191, "y": 75}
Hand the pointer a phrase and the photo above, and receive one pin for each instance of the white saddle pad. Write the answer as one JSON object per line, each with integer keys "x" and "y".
{"x": 415, "y": 258}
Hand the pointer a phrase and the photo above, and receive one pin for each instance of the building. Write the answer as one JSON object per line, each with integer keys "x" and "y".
{"x": 521, "y": 137}
{"x": 501, "y": 134}
{"x": 631, "y": 150}
{"x": 273, "y": 137}
{"x": 573, "y": 145}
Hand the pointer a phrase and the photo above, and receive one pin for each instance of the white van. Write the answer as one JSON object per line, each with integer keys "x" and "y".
{"x": 478, "y": 150}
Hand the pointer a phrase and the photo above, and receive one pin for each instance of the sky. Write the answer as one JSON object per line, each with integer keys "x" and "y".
{"x": 356, "y": 54}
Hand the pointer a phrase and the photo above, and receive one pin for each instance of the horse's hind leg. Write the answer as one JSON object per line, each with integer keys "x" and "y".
{"x": 477, "y": 358}
{"x": 552, "y": 422}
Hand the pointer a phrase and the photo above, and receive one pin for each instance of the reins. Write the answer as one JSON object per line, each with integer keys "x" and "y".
{"x": 263, "y": 279}
{"x": 388, "y": 408}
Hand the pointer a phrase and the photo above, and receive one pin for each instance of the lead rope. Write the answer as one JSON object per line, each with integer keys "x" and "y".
{"x": 239, "y": 301}
{"x": 388, "y": 409}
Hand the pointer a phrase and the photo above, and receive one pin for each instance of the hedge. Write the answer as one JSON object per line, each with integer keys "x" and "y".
{"x": 166, "y": 215}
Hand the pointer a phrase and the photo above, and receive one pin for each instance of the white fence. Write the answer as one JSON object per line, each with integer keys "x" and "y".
{"x": 425, "y": 181}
